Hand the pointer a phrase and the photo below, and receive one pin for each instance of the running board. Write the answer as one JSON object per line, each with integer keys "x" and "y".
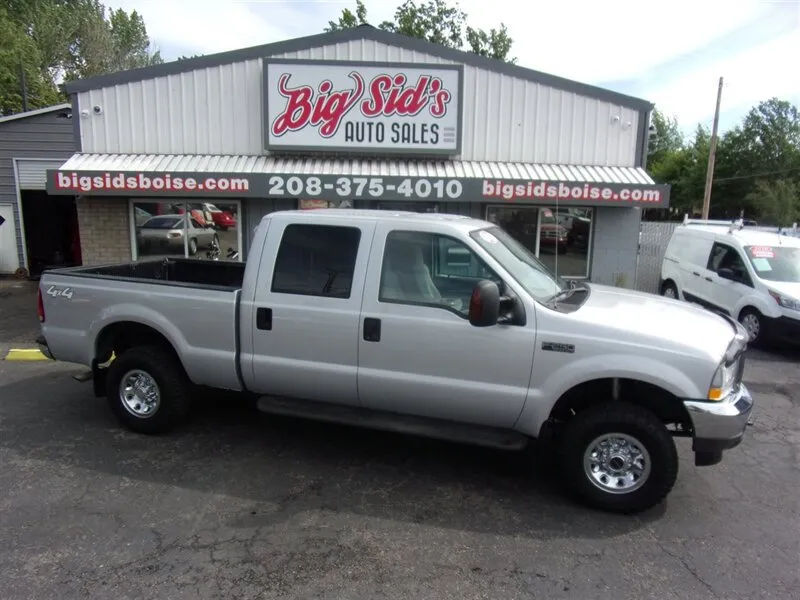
{"x": 503, "y": 439}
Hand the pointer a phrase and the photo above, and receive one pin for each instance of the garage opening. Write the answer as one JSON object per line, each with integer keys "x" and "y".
{"x": 51, "y": 231}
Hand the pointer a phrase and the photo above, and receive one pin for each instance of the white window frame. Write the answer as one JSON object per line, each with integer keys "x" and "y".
{"x": 144, "y": 200}
{"x": 538, "y": 207}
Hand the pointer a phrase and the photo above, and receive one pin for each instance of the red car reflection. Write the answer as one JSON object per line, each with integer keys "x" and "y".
{"x": 223, "y": 219}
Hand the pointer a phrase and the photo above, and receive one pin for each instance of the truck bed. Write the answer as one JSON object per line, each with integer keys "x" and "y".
{"x": 188, "y": 272}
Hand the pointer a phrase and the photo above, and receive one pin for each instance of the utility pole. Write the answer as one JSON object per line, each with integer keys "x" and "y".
{"x": 712, "y": 155}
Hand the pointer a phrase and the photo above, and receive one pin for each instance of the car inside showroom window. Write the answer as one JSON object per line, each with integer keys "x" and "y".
{"x": 559, "y": 237}
{"x": 161, "y": 229}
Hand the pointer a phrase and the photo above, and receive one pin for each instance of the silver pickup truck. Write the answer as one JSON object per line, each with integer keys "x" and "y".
{"x": 428, "y": 324}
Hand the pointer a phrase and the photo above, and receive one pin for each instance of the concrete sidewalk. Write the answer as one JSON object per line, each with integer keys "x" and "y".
{"x": 19, "y": 324}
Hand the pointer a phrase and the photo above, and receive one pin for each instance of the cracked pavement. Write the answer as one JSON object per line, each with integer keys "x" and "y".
{"x": 240, "y": 504}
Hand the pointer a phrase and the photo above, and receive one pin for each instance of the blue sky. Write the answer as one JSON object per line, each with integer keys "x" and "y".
{"x": 671, "y": 53}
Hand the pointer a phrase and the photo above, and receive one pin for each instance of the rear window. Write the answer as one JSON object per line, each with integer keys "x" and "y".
{"x": 162, "y": 223}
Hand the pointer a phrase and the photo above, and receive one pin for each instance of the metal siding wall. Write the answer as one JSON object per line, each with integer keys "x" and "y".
{"x": 39, "y": 136}
{"x": 218, "y": 111}
{"x": 615, "y": 240}
{"x": 32, "y": 174}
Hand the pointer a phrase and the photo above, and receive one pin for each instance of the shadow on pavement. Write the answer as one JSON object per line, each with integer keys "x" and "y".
{"x": 285, "y": 466}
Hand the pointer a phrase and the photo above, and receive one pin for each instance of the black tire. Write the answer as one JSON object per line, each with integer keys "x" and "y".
{"x": 626, "y": 419}
{"x": 192, "y": 246}
{"x": 173, "y": 386}
{"x": 751, "y": 315}
{"x": 669, "y": 288}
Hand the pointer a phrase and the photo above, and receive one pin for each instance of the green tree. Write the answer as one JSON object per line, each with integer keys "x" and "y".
{"x": 765, "y": 146}
{"x": 666, "y": 139}
{"x": 777, "y": 201}
{"x": 437, "y": 22}
{"x": 60, "y": 40}
{"x": 19, "y": 54}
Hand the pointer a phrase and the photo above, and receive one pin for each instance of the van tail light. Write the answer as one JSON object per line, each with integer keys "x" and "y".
{"x": 40, "y": 306}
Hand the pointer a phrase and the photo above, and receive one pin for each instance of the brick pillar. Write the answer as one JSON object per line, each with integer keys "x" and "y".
{"x": 105, "y": 230}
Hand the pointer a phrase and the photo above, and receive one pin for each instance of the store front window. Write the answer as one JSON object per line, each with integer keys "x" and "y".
{"x": 559, "y": 237}
{"x": 161, "y": 229}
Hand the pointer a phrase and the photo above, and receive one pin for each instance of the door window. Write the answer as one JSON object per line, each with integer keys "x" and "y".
{"x": 430, "y": 269}
{"x": 316, "y": 260}
{"x": 726, "y": 257}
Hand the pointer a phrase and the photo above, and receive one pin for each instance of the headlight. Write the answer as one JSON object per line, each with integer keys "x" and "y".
{"x": 723, "y": 382}
{"x": 726, "y": 376}
{"x": 785, "y": 301}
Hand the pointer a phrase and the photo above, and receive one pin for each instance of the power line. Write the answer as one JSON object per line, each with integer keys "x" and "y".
{"x": 754, "y": 175}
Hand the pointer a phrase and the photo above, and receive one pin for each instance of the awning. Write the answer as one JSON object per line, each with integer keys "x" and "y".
{"x": 136, "y": 175}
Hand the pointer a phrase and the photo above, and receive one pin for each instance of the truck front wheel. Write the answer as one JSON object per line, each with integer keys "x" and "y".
{"x": 148, "y": 390}
{"x": 618, "y": 457}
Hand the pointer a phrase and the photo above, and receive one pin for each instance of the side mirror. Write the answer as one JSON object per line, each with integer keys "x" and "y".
{"x": 484, "y": 304}
{"x": 728, "y": 273}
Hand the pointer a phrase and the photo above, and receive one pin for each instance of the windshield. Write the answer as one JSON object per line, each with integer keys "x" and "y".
{"x": 775, "y": 263}
{"x": 523, "y": 266}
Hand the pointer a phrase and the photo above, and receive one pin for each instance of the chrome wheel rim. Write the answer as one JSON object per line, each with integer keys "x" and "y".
{"x": 752, "y": 325}
{"x": 617, "y": 463}
{"x": 669, "y": 292}
{"x": 139, "y": 393}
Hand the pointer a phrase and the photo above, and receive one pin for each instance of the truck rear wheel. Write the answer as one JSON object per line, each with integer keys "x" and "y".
{"x": 618, "y": 457}
{"x": 148, "y": 390}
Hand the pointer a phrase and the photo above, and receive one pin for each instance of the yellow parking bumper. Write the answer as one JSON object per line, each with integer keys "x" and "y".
{"x": 25, "y": 354}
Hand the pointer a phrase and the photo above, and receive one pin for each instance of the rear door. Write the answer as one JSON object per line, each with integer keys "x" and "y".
{"x": 694, "y": 270}
{"x": 307, "y": 306}
{"x": 418, "y": 353}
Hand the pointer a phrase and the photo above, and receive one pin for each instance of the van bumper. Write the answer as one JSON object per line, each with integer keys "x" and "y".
{"x": 719, "y": 426}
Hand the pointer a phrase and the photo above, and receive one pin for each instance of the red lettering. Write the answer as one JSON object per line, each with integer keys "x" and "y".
{"x": 373, "y": 106}
{"x": 441, "y": 98}
{"x": 328, "y": 109}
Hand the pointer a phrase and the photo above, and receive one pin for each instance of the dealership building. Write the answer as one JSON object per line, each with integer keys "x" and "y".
{"x": 361, "y": 118}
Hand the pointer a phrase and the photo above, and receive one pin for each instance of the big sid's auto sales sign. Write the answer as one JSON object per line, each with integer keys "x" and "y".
{"x": 355, "y": 106}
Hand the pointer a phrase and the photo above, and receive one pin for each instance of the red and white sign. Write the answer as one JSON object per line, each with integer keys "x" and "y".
{"x": 762, "y": 252}
{"x": 336, "y": 106}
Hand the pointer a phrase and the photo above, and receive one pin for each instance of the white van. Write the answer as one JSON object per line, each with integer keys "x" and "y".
{"x": 752, "y": 275}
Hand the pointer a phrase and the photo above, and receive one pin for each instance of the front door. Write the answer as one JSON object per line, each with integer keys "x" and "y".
{"x": 723, "y": 293}
{"x": 306, "y": 309}
{"x": 418, "y": 354}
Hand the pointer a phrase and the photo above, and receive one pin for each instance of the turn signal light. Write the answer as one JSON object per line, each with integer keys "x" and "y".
{"x": 715, "y": 394}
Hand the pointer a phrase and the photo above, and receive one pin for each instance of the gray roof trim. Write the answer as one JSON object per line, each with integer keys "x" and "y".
{"x": 33, "y": 113}
{"x": 358, "y": 33}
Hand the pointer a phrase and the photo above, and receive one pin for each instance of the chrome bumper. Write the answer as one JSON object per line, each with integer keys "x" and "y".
{"x": 721, "y": 425}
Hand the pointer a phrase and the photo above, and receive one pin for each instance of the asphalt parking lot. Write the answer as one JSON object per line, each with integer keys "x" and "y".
{"x": 239, "y": 504}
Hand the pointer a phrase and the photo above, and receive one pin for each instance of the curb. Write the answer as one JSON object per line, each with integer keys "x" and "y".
{"x": 25, "y": 354}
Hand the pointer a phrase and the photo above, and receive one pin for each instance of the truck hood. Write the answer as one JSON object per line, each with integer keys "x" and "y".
{"x": 637, "y": 317}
